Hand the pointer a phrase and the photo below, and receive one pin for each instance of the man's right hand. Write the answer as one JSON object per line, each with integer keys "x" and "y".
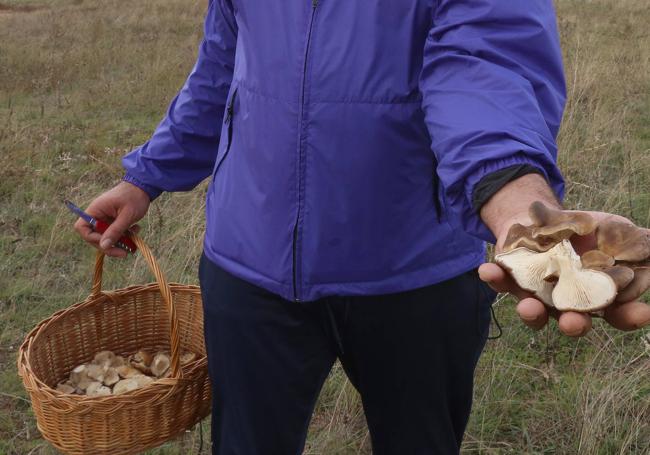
{"x": 122, "y": 206}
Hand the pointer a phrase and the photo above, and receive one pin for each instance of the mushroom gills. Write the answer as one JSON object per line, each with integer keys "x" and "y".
{"x": 578, "y": 289}
{"x": 528, "y": 268}
{"x": 558, "y": 279}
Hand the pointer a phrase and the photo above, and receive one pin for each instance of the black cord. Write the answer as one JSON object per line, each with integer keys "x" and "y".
{"x": 496, "y": 322}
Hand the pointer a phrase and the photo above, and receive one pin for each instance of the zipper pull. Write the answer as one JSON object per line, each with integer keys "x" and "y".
{"x": 229, "y": 113}
{"x": 314, "y": 3}
{"x": 230, "y": 110}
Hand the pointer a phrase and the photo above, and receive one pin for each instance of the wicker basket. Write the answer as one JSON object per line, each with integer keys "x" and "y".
{"x": 157, "y": 316}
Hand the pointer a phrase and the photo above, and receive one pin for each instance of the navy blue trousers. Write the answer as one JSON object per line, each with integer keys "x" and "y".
{"x": 411, "y": 356}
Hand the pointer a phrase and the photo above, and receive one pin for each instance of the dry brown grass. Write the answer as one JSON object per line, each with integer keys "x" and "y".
{"x": 83, "y": 81}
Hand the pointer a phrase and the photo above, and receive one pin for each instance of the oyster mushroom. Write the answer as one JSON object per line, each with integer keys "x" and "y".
{"x": 143, "y": 380}
{"x": 142, "y": 361}
{"x": 134, "y": 383}
{"x": 560, "y": 223}
{"x": 558, "y": 279}
{"x": 621, "y": 275}
{"x": 520, "y": 236}
{"x": 111, "y": 376}
{"x": 577, "y": 288}
{"x": 118, "y": 361}
{"x": 528, "y": 268}
{"x": 623, "y": 241}
{"x": 95, "y": 372}
{"x": 160, "y": 364}
{"x": 550, "y": 227}
{"x": 78, "y": 374}
{"x": 97, "y": 389}
{"x": 79, "y": 378}
{"x": 127, "y": 371}
{"x": 125, "y": 385}
{"x": 65, "y": 387}
{"x": 104, "y": 358}
{"x": 596, "y": 259}
{"x": 187, "y": 357}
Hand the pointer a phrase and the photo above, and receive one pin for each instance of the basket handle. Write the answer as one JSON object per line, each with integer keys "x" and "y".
{"x": 165, "y": 291}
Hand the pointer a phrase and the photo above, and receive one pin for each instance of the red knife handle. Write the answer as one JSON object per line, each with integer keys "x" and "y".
{"x": 124, "y": 242}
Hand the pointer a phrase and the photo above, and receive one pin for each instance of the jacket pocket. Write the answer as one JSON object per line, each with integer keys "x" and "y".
{"x": 438, "y": 194}
{"x": 228, "y": 130}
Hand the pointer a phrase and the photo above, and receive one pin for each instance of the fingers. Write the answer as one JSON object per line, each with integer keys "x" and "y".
{"x": 500, "y": 281}
{"x": 533, "y": 313}
{"x": 86, "y": 232}
{"x": 574, "y": 324}
{"x": 116, "y": 229}
{"x": 628, "y": 316}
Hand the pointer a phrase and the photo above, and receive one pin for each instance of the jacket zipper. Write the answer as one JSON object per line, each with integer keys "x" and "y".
{"x": 296, "y": 294}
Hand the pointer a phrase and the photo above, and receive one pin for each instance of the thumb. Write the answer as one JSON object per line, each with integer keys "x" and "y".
{"x": 117, "y": 229}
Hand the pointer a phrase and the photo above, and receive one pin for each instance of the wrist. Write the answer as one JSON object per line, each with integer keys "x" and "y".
{"x": 151, "y": 192}
{"x": 510, "y": 204}
{"x": 134, "y": 191}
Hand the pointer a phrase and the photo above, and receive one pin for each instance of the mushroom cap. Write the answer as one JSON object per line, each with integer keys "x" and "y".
{"x": 639, "y": 285}
{"x": 84, "y": 383}
{"x": 118, "y": 361}
{"x": 127, "y": 371}
{"x": 125, "y": 385}
{"x": 143, "y": 380}
{"x": 142, "y": 361}
{"x": 104, "y": 358}
{"x": 520, "y": 236}
{"x": 78, "y": 374}
{"x": 550, "y": 227}
{"x": 160, "y": 364}
{"x": 142, "y": 357}
{"x": 95, "y": 372}
{"x": 561, "y": 223}
{"x": 187, "y": 357}
{"x": 111, "y": 376}
{"x": 596, "y": 259}
{"x": 623, "y": 241}
{"x": 96, "y": 389}
{"x": 65, "y": 387}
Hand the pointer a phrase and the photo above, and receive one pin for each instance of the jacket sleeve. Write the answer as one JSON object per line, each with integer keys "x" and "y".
{"x": 183, "y": 148}
{"x": 493, "y": 96}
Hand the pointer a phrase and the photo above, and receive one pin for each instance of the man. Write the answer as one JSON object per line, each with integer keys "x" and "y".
{"x": 361, "y": 152}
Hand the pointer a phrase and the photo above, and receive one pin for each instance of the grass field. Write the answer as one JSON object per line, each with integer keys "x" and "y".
{"x": 82, "y": 81}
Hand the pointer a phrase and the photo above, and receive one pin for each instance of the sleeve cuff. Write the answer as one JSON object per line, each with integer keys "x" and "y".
{"x": 490, "y": 184}
{"x": 471, "y": 220}
{"x": 150, "y": 190}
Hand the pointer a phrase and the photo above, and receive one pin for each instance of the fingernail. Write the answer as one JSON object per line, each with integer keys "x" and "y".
{"x": 106, "y": 244}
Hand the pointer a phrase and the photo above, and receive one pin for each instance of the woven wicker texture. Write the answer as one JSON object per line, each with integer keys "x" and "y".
{"x": 157, "y": 316}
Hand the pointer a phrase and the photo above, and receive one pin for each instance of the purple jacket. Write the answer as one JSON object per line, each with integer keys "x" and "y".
{"x": 344, "y": 137}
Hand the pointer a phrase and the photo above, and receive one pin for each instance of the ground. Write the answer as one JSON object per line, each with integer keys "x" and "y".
{"x": 82, "y": 81}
